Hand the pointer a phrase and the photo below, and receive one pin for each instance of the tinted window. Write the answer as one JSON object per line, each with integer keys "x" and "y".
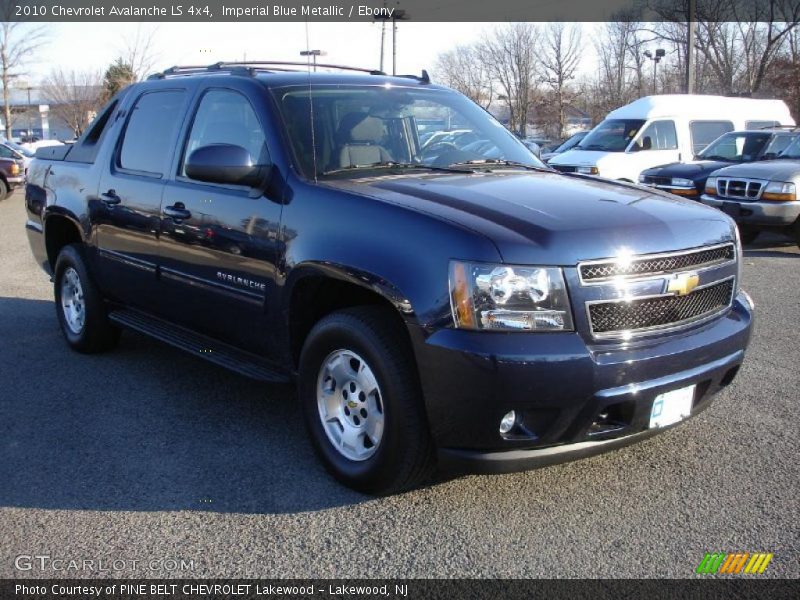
{"x": 662, "y": 136}
{"x": 705, "y": 132}
{"x": 5, "y": 152}
{"x": 779, "y": 143}
{"x": 150, "y": 132}
{"x": 226, "y": 117}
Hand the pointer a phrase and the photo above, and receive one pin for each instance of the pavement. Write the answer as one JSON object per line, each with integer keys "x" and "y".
{"x": 152, "y": 463}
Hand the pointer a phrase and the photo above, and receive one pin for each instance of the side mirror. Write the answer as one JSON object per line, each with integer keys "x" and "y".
{"x": 225, "y": 163}
{"x": 647, "y": 142}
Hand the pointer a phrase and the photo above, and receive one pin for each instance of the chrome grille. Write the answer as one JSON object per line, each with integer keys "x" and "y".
{"x": 608, "y": 318}
{"x": 564, "y": 168}
{"x": 739, "y": 189}
{"x": 657, "y": 264}
{"x": 657, "y": 180}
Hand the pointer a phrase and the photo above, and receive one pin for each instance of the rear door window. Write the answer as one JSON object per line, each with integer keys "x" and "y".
{"x": 705, "y": 132}
{"x": 150, "y": 134}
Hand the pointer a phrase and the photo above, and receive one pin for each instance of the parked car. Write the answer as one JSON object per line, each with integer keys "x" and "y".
{"x": 565, "y": 145}
{"x": 689, "y": 179}
{"x": 12, "y": 174}
{"x": 451, "y": 309}
{"x": 760, "y": 196}
{"x": 9, "y": 149}
{"x": 658, "y": 130}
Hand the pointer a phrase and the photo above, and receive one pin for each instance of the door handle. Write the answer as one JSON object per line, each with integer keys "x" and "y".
{"x": 110, "y": 197}
{"x": 177, "y": 211}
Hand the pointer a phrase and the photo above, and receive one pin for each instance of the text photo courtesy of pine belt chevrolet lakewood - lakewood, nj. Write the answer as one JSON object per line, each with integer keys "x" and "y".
{"x": 399, "y": 300}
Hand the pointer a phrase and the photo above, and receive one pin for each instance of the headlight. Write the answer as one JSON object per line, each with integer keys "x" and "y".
{"x": 681, "y": 182}
{"x": 587, "y": 170}
{"x": 14, "y": 169}
{"x": 509, "y": 298}
{"x": 779, "y": 190}
{"x": 711, "y": 186}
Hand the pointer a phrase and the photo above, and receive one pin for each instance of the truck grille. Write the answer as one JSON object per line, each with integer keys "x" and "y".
{"x": 657, "y": 264}
{"x": 564, "y": 168}
{"x": 661, "y": 311}
{"x": 657, "y": 180}
{"x": 739, "y": 189}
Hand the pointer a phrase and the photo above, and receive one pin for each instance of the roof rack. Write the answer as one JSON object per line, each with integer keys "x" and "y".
{"x": 249, "y": 68}
{"x": 789, "y": 127}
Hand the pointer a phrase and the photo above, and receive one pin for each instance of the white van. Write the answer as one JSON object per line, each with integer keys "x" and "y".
{"x": 657, "y": 130}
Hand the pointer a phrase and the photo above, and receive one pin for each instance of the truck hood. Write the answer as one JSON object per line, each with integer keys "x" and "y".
{"x": 695, "y": 170}
{"x": 775, "y": 170}
{"x": 550, "y": 218}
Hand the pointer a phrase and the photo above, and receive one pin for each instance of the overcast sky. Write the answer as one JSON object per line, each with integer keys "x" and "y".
{"x": 96, "y": 45}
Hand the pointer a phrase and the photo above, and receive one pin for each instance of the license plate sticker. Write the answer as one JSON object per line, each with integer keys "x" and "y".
{"x": 671, "y": 407}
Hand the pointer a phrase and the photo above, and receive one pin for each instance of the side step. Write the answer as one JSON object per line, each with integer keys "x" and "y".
{"x": 200, "y": 345}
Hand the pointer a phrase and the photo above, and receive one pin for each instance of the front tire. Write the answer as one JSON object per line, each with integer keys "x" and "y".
{"x": 5, "y": 192}
{"x": 362, "y": 403}
{"x": 79, "y": 305}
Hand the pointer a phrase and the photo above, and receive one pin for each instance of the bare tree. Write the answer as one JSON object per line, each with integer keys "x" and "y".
{"x": 74, "y": 96}
{"x": 560, "y": 61}
{"x": 464, "y": 69}
{"x": 18, "y": 42}
{"x": 511, "y": 54}
{"x": 139, "y": 52}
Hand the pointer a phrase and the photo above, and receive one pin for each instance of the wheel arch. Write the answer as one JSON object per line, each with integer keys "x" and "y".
{"x": 60, "y": 229}
{"x": 316, "y": 289}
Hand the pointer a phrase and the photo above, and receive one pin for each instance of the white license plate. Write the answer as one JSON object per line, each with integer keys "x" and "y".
{"x": 671, "y": 407}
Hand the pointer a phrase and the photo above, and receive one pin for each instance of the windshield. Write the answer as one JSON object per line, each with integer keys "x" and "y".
{"x": 17, "y": 148}
{"x": 612, "y": 135}
{"x": 736, "y": 147}
{"x": 571, "y": 142}
{"x": 792, "y": 150}
{"x": 361, "y": 127}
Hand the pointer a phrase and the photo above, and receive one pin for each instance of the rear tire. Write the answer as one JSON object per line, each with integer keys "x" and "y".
{"x": 80, "y": 307}
{"x": 358, "y": 383}
{"x": 748, "y": 234}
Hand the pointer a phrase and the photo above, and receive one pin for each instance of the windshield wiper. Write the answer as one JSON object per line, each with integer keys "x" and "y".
{"x": 591, "y": 147}
{"x": 494, "y": 162}
{"x": 390, "y": 164}
{"x": 717, "y": 157}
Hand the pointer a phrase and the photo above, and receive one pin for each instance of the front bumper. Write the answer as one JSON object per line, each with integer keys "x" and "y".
{"x": 756, "y": 213}
{"x": 15, "y": 181}
{"x": 576, "y": 399}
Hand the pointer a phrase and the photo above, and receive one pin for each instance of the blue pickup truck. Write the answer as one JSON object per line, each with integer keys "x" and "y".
{"x": 460, "y": 307}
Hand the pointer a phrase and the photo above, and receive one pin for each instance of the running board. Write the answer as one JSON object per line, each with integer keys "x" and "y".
{"x": 199, "y": 345}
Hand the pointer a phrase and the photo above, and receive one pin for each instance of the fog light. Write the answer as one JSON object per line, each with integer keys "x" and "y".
{"x": 508, "y": 421}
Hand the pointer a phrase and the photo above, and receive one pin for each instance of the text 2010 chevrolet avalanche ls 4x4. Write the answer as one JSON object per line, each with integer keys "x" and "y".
{"x": 451, "y": 304}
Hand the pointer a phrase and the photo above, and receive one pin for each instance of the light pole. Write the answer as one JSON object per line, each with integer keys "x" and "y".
{"x": 314, "y": 54}
{"x": 397, "y": 15}
{"x": 660, "y": 53}
{"x": 30, "y": 127}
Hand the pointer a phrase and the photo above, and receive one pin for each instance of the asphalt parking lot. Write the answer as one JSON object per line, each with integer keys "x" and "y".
{"x": 147, "y": 455}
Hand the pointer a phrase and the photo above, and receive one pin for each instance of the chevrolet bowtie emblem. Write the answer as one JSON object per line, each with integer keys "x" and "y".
{"x": 682, "y": 283}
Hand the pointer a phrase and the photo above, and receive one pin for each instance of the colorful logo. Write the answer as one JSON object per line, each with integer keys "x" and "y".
{"x": 734, "y": 564}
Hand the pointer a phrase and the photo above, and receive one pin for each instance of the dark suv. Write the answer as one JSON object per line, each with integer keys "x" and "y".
{"x": 735, "y": 147}
{"x": 464, "y": 306}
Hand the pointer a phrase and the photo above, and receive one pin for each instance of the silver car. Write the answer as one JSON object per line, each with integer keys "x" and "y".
{"x": 760, "y": 195}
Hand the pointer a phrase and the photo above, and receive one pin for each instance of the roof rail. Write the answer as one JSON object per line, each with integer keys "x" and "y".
{"x": 249, "y": 68}
{"x": 790, "y": 127}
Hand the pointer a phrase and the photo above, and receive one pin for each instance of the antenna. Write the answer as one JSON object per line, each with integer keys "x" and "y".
{"x": 308, "y": 56}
